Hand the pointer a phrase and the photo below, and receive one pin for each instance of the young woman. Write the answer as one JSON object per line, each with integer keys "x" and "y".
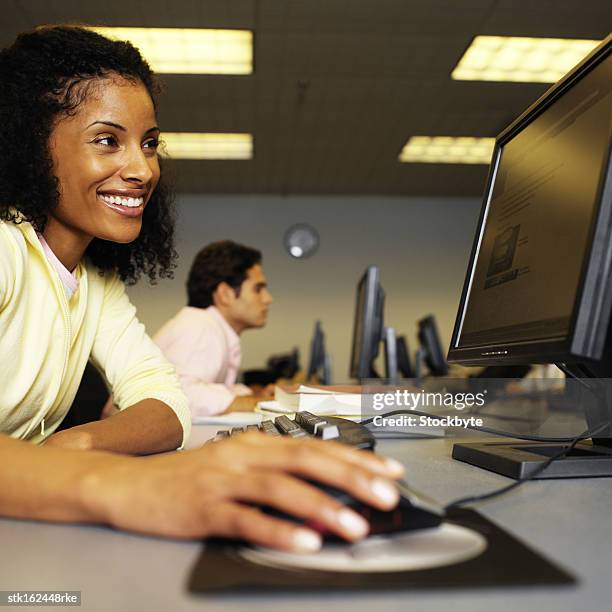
{"x": 83, "y": 210}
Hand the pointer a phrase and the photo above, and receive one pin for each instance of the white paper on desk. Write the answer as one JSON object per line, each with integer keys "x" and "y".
{"x": 272, "y": 406}
{"x": 235, "y": 419}
{"x": 348, "y": 407}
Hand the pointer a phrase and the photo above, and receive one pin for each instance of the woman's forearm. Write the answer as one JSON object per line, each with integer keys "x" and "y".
{"x": 200, "y": 493}
{"x": 147, "y": 427}
{"x": 37, "y": 482}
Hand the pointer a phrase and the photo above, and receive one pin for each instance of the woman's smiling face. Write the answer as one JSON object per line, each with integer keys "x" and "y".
{"x": 105, "y": 159}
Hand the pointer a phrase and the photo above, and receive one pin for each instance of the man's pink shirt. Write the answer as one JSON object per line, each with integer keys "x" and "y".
{"x": 206, "y": 353}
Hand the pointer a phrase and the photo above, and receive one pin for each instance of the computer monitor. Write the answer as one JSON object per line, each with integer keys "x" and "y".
{"x": 431, "y": 351}
{"x": 317, "y": 351}
{"x": 539, "y": 282}
{"x": 319, "y": 364}
{"x": 368, "y": 325}
{"x": 404, "y": 363}
{"x": 284, "y": 365}
{"x": 391, "y": 365}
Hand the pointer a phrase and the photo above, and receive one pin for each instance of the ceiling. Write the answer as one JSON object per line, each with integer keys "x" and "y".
{"x": 339, "y": 85}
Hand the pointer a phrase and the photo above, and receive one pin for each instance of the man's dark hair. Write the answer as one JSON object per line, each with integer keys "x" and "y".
{"x": 219, "y": 262}
{"x": 45, "y": 75}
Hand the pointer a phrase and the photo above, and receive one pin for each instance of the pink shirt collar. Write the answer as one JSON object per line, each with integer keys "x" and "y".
{"x": 69, "y": 279}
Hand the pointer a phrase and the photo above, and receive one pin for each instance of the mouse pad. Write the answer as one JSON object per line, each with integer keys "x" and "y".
{"x": 490, "y": 558}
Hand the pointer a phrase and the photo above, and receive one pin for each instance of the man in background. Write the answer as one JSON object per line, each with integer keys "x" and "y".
{"x": 227, "y": 294}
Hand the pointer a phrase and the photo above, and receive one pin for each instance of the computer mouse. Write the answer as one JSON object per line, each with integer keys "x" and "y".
{"x": 414, "y": 511}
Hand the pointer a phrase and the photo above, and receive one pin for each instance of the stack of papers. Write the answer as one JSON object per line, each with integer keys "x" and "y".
{"x": 330, "y": 401}
{"x": 323, "y": 401}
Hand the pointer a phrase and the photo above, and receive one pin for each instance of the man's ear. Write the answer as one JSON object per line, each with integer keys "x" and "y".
{"x": 223, "y": 295}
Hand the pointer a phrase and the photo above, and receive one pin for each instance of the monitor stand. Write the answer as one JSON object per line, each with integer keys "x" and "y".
{"x": 590, "y": 458}
{"x": 519, "y": 459}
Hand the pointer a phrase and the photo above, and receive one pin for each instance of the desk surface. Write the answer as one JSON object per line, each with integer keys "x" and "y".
{"x": 568, "y": 521}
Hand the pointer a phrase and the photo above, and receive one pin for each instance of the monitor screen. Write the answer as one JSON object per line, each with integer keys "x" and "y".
{"x": 536, "y": 228}
{"x": 368, "y": 325}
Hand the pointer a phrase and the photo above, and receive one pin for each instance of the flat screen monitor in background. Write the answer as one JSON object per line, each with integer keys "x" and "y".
{"x": 430, "y": 350}
{"x": 317, "y": 351}
{"x": 539, "y": 282}
{"x": 319, "y": 365}
{"x": 391, "y": 366}
{"x": 368, "y": 325}
{"x": 397, "y": 356}
{"x": 284, "y": 365}
{"x": 404, "y": 363}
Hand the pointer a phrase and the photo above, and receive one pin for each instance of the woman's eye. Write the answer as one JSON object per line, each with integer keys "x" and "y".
{"x": 151, "y": 144}
{"x": 107, "y": 141}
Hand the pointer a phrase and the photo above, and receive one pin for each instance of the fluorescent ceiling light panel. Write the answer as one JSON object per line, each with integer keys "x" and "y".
{"x": 447, "y": 150}
{"x": 192, "y": 145}
{"x": 519, "y": 59}
{"x": 190, "y": 50}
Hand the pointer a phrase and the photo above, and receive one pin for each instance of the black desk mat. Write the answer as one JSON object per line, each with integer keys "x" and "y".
{"x": 506, "y": 562}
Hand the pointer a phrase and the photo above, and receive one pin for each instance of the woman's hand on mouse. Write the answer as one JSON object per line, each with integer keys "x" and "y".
{"x": 214, "y": 490}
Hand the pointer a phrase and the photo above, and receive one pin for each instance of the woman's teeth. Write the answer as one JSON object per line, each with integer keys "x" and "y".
{"x": 130, "y": 202}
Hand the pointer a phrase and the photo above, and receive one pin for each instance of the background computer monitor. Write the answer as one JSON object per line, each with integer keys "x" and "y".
{"x": 284, "y": 365}
{"x": 368, "y": 325}
{"x": 278, "y": 366}
{"x": 404, "y": 363}
{"x": 317, "y": 350}
{"x": 431, "y": 351}
{"x": 319, "y": 364}
{"x": 539, "y": 282}
{"x": 390, "y": 345}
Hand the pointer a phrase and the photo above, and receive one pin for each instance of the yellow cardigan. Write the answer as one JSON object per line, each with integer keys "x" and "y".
{"x": 46, "y": 340}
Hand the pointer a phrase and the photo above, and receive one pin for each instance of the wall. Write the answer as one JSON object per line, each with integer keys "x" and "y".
{"x": 420, "y": 244}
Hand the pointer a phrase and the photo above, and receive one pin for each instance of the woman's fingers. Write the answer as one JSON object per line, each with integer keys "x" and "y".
{"x": 384, "y": 466}
{"x": 297, "y": 498}
{"x": 208, "y": 491}
{"x": 325, "y": 462}
{"x": 238, "y": 521}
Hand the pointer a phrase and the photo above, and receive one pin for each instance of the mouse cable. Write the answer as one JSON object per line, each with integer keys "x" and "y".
{"x": 458, "y": 503}
{"x": 572, "y": 442}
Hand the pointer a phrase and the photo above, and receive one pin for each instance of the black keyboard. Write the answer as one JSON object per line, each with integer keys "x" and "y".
{"x": 308, "y": 425}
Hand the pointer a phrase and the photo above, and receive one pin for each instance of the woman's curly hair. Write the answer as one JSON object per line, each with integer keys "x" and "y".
{"x": 43, "y": 77}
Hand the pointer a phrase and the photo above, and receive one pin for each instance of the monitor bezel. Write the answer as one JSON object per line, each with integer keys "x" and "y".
{"x": 429, "y": 339}
{"x": 404, "y": 363}
{"x": 317, "y": 350}
{"x": 588, "y": 328}
{"x": 369, "y": 283}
